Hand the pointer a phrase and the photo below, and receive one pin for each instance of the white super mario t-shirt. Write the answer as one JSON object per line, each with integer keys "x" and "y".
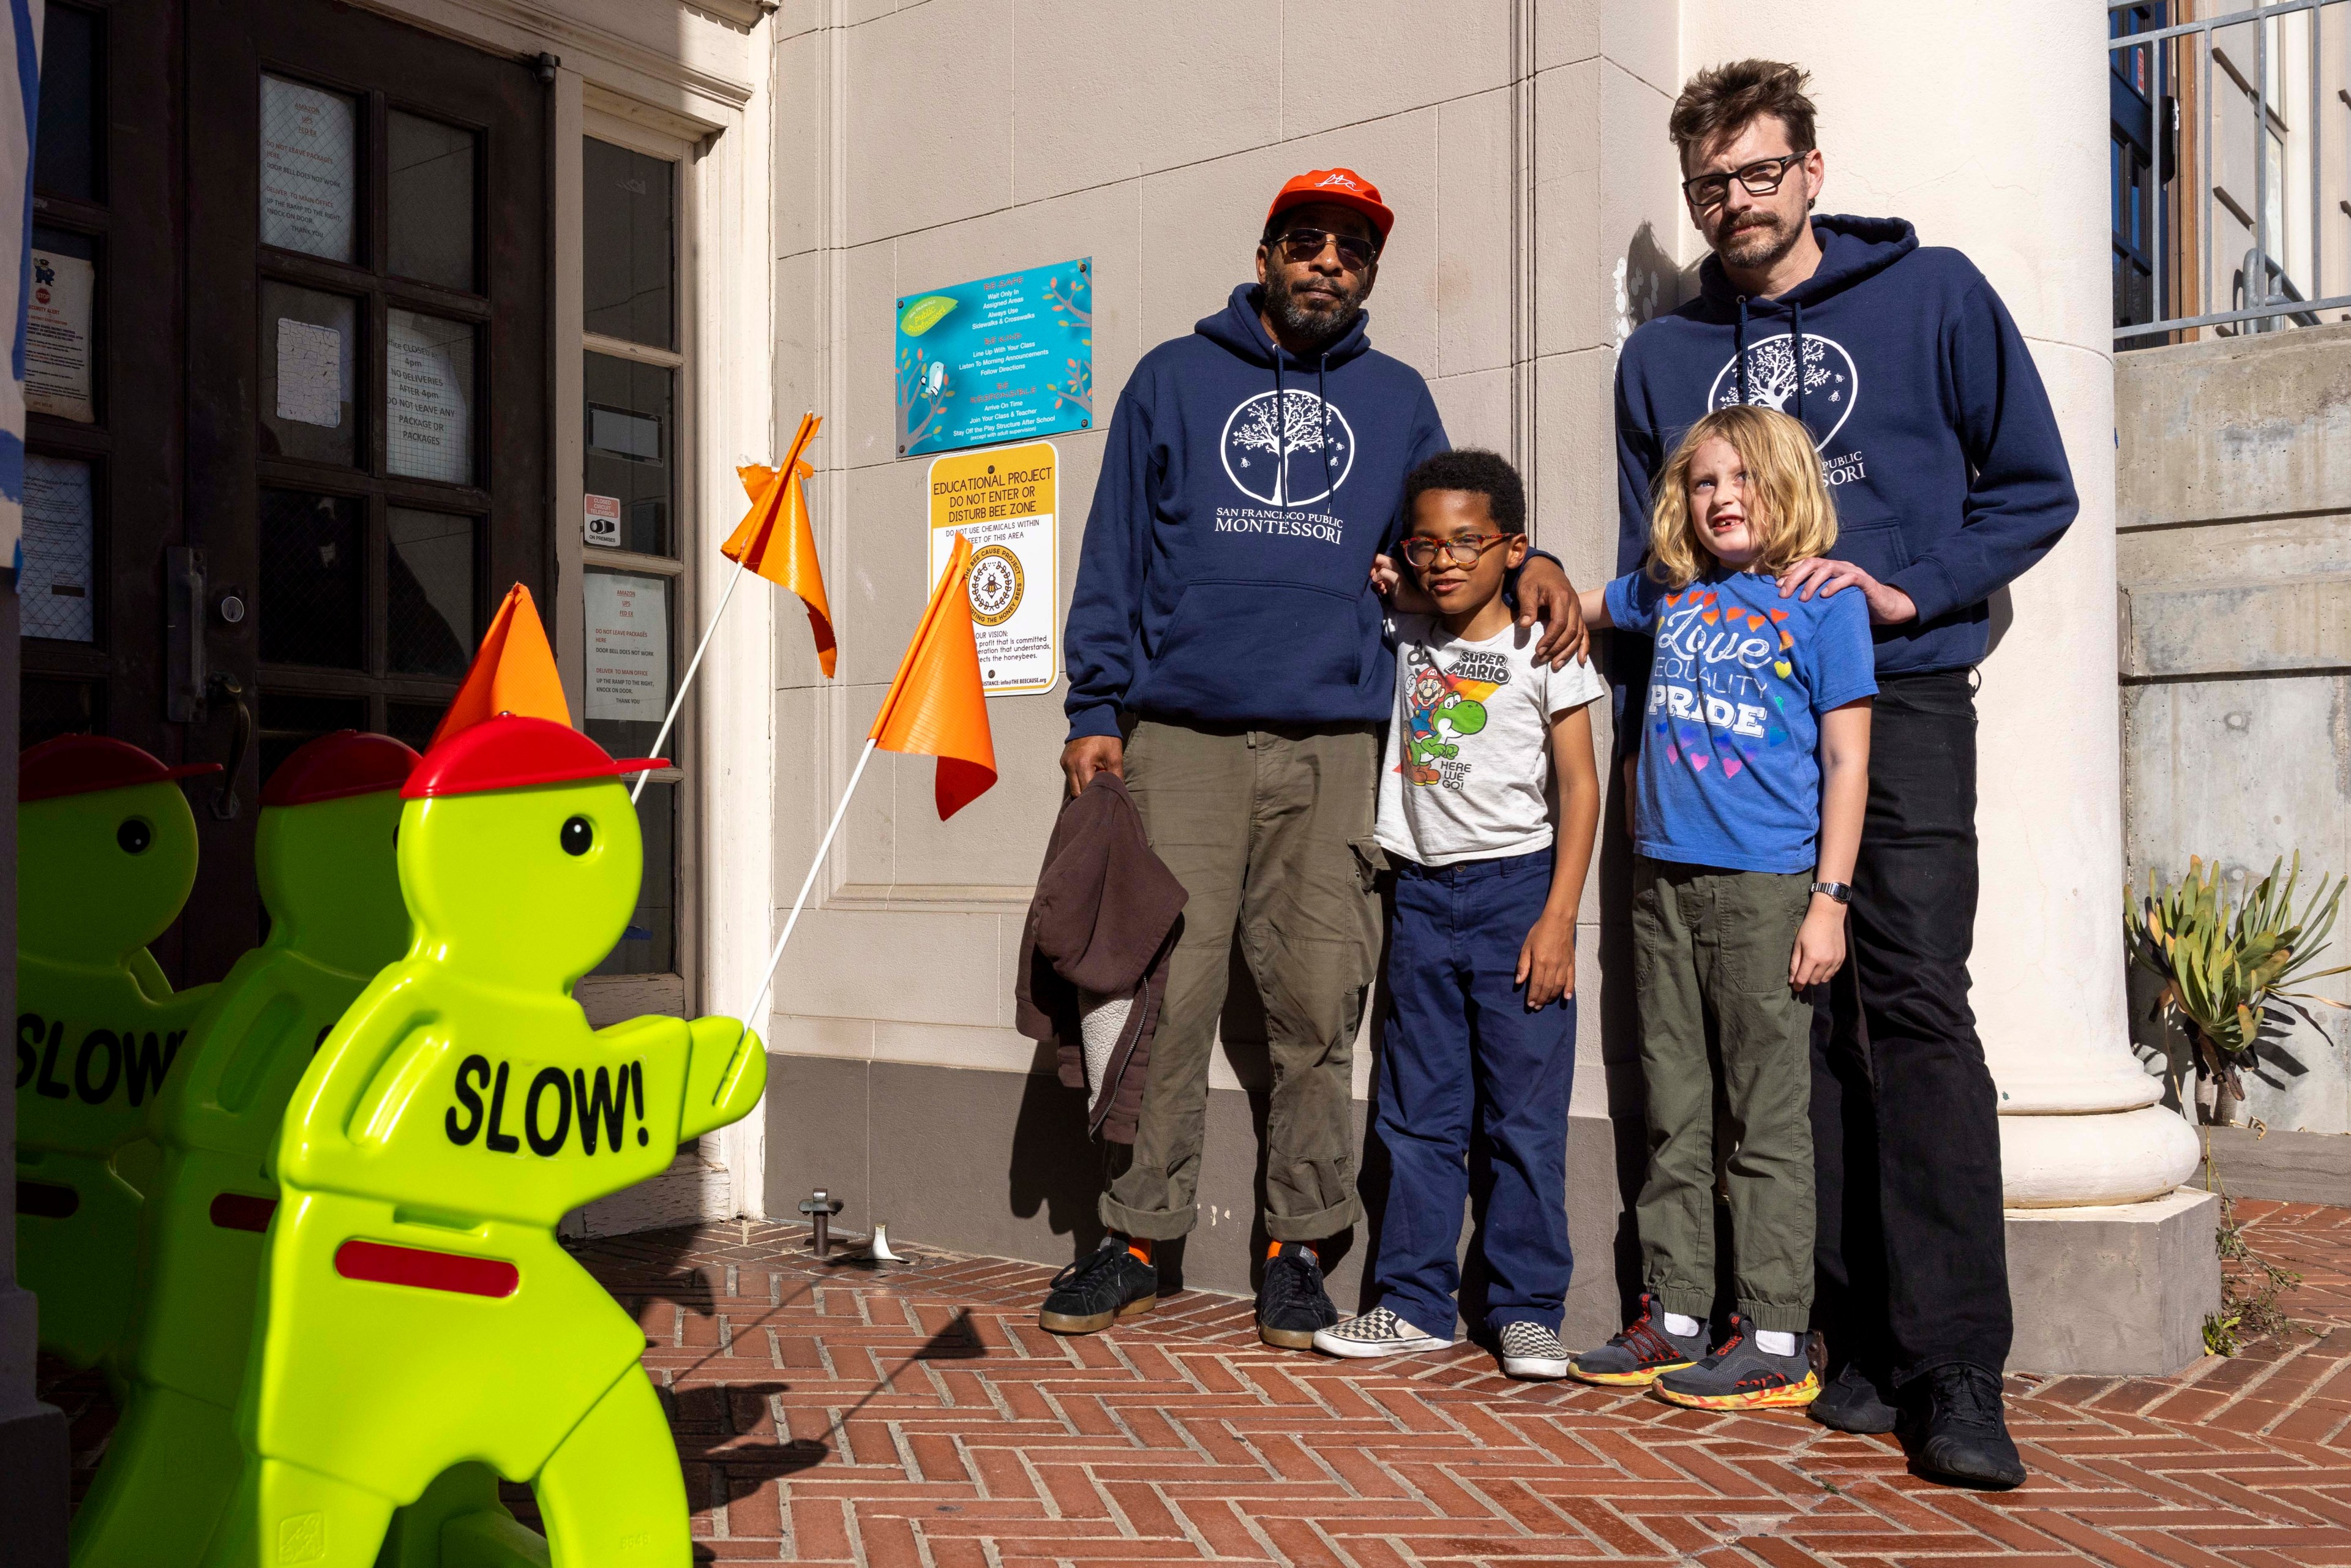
{"x": 1469, "y": 759}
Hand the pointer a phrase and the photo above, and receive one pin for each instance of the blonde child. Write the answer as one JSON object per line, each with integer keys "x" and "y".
{"x": 1753, "y": 771}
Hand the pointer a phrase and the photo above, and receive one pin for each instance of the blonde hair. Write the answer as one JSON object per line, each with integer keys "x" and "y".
{"x": 1789, "y": 508}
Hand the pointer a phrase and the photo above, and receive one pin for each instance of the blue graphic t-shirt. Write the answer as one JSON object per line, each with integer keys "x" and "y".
{"x": 1730, "y": 772}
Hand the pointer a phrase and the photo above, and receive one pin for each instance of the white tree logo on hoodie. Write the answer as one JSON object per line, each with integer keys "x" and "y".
{"x": 1831, "y": 383}
{"x": 1287, "y": 453}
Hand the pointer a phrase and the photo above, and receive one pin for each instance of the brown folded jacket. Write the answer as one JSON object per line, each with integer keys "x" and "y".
{"x": 1104, "y": 921}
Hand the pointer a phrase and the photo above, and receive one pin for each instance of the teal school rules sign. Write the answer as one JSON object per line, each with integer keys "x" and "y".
{"x": 1001, "y": 360}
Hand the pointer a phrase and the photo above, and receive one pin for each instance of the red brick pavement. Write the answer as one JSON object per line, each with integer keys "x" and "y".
{"x": 919, "y": 1420}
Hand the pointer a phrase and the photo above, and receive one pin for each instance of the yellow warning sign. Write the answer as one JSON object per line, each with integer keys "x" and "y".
{"x": 1004, "y": 500}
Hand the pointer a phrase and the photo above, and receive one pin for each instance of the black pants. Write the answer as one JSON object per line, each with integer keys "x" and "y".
{"x": 1911, "y": 1253}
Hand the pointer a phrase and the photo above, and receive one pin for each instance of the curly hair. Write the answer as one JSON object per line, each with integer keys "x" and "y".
{"x": 1719, "y": 101}
{"x": 1788, "y": 507}
{"x": 1479, "y": 473}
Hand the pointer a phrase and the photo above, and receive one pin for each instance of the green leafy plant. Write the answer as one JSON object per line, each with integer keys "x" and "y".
{"x": 2226, "y": 969}
{"x": 2249, "y": 1288}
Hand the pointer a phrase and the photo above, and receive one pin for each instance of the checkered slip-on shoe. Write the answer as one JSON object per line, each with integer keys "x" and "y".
{"x": 1375, "y": 1334}
{"x": 1532, "y": 1352}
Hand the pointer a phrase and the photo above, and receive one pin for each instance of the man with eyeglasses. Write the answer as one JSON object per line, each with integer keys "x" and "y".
{"x": 1951, "y": 482}
{"x": 1225, "y": 660}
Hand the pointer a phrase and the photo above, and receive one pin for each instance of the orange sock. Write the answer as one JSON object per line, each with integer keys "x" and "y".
{"x": 1273, "y": 1249}
{"x": 1139, "y": 1248}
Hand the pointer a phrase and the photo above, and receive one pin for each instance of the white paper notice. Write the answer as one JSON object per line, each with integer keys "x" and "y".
{"x": 604, "y": 525}
{"x": 309, "y": 372}
{"x": 428, "y": 387}
{"x": 56, "y": 337}
{"x": 1003, "y": 501}
{"x": 627, "y": 646}
{"x": 54, "y": 589}
{"x": 308, "y": 175}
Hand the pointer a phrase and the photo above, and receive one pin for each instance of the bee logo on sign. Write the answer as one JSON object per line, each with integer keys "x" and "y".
{"x": 1004, "y": 500}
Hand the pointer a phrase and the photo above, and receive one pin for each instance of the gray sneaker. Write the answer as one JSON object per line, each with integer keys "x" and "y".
{"x": 1636, "y": 1358}
{"x": 1531, "y": 1352}
{"x": 1739, "y": 1376}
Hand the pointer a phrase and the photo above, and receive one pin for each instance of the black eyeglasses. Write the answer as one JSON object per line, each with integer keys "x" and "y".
{"x": 1421, "y": 550}
{"x": 1356, "y": 252}
{"x": 1759, "y": 179}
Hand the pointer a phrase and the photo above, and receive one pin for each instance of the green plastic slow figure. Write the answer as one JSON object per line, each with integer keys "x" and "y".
{"x": 106, "y": 854}
{"x": 417, "y": 1311}
{"x": 323, "y": 854}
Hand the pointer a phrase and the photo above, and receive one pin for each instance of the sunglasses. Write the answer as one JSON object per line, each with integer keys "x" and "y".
{"x": 1422, "y": 551}
{"x": 1299, "y": 245}
{"x": 1758, "y": 179}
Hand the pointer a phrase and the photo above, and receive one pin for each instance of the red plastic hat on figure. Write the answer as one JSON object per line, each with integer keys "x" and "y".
{"x": 338, "y": 766}
{"x": 84, "y": 764}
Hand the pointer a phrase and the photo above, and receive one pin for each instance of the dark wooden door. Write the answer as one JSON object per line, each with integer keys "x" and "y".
{"x": 320, "y": 444}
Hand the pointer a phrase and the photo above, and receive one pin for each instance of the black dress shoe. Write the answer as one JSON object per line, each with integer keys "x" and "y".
{"x": 1956, "y": 1431}
{"x": 1853, "y": 1402}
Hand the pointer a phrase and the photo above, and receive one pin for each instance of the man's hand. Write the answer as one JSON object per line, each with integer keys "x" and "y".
{"x": 1547, "y": 960}
{"x": 1091, "y": 754}
{"x": 1888, "y": 606}
{"x": 1820, "y": 944}
{"x": 1546, "y": 595}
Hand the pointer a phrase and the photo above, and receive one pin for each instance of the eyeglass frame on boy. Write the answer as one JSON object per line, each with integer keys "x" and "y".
{"x": 1415, "y": 544}
{"x": 1749, "y": 181}
{"x": 1326, "y": 239}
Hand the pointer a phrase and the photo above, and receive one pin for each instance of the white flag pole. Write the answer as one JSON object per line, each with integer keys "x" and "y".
{"x": 776, "y": 958}
{"x": 783, "y": 475}
{"x": 686, "y": 685}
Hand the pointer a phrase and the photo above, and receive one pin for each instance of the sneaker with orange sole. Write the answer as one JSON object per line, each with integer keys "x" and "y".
{"x": 1741, "y": 1375}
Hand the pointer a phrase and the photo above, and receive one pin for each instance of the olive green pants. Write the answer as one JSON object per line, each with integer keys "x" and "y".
{"x": 1268, "y": 831}
{"x": 1710, "y": 951}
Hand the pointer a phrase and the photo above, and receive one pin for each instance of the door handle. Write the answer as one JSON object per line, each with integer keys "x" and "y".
{"x": 223, "y": 801}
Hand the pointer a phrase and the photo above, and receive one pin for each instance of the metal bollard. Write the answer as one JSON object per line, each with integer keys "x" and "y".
{"x": 821, "y": 1207}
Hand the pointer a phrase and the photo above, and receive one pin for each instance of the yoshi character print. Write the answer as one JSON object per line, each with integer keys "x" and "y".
{"x": 1468, "y": 751}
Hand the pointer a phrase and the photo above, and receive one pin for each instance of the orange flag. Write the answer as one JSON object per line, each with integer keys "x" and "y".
{"x": 775, "y": 539}
{"x": 936, "y": 706}
{"x": 513, "y": 672}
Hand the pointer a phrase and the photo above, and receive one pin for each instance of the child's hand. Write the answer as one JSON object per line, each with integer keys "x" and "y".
{"x": 1547, "y": 960}
{"x": 1385, "y": 576}
{"x": 1820, "y": 944}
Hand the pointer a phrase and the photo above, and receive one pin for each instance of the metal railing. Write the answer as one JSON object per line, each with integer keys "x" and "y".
{"x": 2170, "y": 263}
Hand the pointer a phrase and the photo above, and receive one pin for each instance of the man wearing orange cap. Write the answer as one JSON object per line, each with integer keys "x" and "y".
{"x": 1227, "y": 659}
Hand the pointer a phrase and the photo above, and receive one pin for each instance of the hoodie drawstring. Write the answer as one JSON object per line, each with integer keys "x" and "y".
{"x": 1739, "y": 349}
{"x": 1322, "y": 376}
{"x": 1796, "y": 342}
{"x": 1281, "y": 438}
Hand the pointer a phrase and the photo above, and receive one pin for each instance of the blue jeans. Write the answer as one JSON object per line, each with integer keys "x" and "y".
{"x": 1460, "y": 1044}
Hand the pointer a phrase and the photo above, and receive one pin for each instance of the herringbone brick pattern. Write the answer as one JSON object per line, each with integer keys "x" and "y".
{"x": 919, "y": 1420}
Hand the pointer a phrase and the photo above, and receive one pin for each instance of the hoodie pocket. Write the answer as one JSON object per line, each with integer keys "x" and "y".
{"x": 1877, "y": 546}
{"x": 1248, "y": 650}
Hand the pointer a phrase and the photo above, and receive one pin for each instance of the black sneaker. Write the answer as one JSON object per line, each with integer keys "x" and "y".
{"x": 1961, "y": 1435}
{"x": 1098, "y": 1288}
{"x": 1291, "y": 1305}
{"x": 1636, "y": 1358}
{"x": 1851, "y": 1401}
{"x": 1742, "y": 1375}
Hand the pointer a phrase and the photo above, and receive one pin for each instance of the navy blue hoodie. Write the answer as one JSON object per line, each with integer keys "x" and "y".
{"x": 1225, "y": 573}
{"x": 1938, "y": 440}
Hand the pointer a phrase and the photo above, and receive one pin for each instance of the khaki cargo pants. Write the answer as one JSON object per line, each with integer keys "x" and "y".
{"x": 1269, "y": 830}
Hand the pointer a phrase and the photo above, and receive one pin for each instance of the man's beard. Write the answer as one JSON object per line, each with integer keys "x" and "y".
{"x": 1758, "y": 247}
{"x": 1309, "y": 322}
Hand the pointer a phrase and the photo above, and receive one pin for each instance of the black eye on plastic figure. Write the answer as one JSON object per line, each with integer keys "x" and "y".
{"x": 134, "y": 836}
{"x": 577, "y": 836}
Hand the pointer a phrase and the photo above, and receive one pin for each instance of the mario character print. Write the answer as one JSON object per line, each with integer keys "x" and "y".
{"x": 1440, "y": 710}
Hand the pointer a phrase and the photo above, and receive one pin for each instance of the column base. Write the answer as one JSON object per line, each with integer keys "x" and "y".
{"x": 2117, "y": 1289}
{"x": 2070, "y": 1160}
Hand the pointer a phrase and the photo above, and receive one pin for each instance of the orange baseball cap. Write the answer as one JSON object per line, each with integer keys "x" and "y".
{"x": 1341, "y": 187}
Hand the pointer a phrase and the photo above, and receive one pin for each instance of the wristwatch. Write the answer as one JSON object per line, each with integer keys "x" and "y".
{"x": 1841, "y": 892}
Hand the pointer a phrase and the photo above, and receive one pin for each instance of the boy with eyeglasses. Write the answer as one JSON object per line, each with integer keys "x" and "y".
{"x": 1481, "y": 1028}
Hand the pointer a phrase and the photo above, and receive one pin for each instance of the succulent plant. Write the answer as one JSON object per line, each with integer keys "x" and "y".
{"x": 2225, "y": 968}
